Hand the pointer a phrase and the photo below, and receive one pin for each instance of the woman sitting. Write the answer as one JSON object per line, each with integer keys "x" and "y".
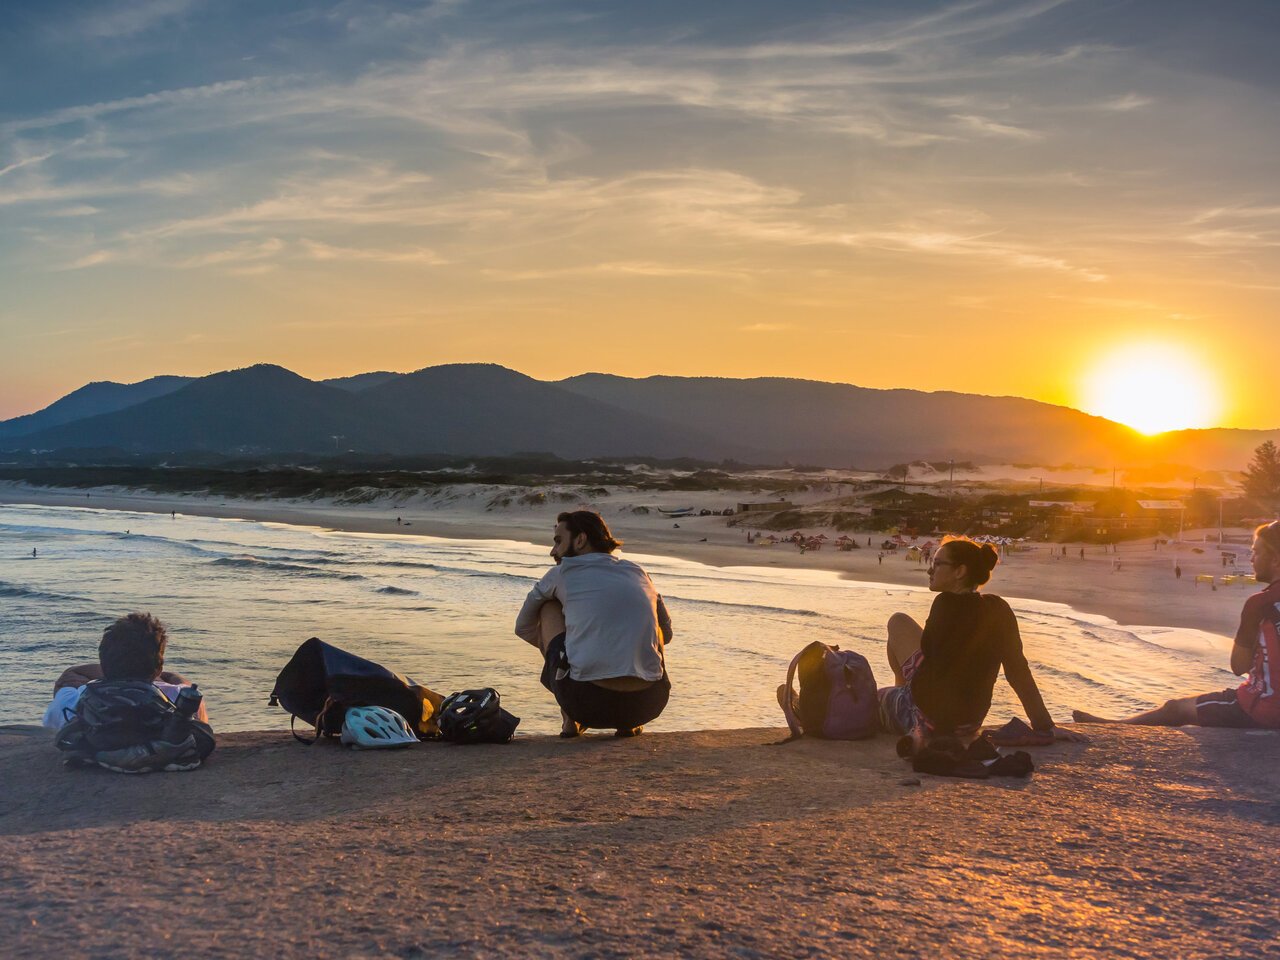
{"x": 945, "y": 672}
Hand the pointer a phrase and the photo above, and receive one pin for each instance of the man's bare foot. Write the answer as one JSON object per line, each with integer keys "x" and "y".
{"x": 1079, "y": 716}
{"x": 569, "y": 728}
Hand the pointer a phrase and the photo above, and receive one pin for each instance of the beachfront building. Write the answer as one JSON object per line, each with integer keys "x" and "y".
{"x": 765, "y": 506}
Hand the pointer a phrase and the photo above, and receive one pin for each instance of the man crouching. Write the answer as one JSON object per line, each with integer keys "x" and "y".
{"x": 601, "y": 627}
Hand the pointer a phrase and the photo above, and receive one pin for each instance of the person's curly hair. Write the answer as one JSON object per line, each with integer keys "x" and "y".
{"x": 592, "y": 524}
{"x": 132, "y": 648}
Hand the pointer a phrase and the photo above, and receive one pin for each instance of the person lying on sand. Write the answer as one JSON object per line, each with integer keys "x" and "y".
{"x": 132, "y": 648}
{"x": 945, "y": 671}
{"x": 129, "y": 719}
{"x": 1255, "y": 703}
{"x": 601, "y": 627}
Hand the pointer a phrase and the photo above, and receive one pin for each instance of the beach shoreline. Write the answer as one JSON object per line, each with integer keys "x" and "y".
{"x": 710, "y": 843}
{"x": 1133, "y": 587}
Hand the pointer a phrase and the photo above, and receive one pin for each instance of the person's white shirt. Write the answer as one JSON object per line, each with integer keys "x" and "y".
{"x": 63, "y": 706}
{"x": 615, "y": 621}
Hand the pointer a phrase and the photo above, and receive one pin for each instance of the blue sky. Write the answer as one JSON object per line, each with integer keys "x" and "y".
{"x": 982, "y": 196}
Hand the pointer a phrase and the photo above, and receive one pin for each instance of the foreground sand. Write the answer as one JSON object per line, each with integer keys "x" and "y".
{"x": 1145, "y": 843}
{"x": 1143, "y": 591}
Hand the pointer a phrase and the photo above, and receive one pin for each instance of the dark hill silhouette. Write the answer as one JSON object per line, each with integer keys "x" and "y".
{"x": 464, "y": 409}
{"x": 89, "y": 401}
{"x": 487, "y": 409}
{"x": 1209, "y": 449}
{"x": 842, "y": 425}
{"x": 259, "y": 409}
{"x": 362, "y": 381}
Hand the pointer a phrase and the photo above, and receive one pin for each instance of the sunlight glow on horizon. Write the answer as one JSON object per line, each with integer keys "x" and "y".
{"x": 1153, "y": 387}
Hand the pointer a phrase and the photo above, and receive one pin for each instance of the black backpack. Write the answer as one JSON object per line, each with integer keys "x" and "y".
{"x": 131, "y": 727}
{"x": 476, "y": 716}
{"x": 321, "y": 681}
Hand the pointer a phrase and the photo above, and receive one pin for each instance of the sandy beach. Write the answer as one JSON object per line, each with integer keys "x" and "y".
{"x": 1145, "y": 843}
{"x": 1142, "y": 591}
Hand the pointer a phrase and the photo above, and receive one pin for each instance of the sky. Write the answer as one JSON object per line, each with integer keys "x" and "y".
{"x": 990, "y": 196}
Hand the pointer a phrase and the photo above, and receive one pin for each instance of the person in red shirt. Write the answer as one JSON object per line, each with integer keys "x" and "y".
{"x": 1255, "y": 703}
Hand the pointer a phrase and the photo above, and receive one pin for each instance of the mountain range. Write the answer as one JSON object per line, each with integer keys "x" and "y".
{"x": 489, "y": 410}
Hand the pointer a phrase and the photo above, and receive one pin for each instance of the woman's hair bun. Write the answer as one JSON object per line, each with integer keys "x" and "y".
{"x": 979, "y": 558}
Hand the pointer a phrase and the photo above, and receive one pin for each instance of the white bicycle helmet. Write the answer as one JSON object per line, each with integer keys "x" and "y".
{"x": 375, "y": 728}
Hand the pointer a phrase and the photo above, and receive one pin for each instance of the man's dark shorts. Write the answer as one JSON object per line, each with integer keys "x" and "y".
{"x": 596, "y": 707}
{"x": 1222, "y": 710}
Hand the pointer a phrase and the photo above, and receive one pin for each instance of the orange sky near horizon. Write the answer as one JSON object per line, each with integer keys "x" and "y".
{"x": 989, "y": 198}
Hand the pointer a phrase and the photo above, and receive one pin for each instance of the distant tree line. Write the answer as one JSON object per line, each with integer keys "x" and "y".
{"x": 1262, "y": 477}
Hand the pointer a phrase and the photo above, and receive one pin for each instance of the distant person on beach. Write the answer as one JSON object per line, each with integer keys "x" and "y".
{"x": 1256, "y": 651}
{"x": 945, "y": 671}
{"x": 601, "y": 627}
{"x": 132, "y": 648}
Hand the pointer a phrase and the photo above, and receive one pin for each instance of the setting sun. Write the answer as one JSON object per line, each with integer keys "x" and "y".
{"x": 1152, "y": 387}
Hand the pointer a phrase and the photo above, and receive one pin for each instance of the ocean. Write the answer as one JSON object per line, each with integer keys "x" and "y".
{"x": 239, "y": 596}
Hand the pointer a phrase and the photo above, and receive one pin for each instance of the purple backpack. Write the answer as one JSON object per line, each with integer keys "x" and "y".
{"x": 837, "y": 699}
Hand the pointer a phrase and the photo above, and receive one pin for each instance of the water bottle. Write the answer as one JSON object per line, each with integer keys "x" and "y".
{"x": 188, "y": 702}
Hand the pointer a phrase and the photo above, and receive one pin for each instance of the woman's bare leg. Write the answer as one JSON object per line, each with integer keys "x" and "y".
{"x": 1174, "y": 713}
{"x": 904, "y": 640}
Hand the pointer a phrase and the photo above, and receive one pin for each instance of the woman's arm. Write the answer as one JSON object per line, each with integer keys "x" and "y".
{"x": 1018, "y": 672}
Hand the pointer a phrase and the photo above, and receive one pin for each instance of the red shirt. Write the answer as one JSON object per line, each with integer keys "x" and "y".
{"x": 1260, "y": 632}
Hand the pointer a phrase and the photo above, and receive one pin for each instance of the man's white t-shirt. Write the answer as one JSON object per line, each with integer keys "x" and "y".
{"x": 63, "y": 707}
{"x": 615, "y": 622}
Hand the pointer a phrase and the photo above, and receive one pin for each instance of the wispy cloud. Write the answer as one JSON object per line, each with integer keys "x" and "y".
{"x": 622, "y": 269}
{"x": 96, "y": 111}
{"x": 1126, "y": 103}
{"x": 25, "y": 162}
{"x": 993, "y": 128}
{"x": 94, "y": 259}
{"x": 979, "y": 149}
{"x": 241, "y": 253}
{"x": 116, "y": 20}
{"x": 416, "y": 255}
